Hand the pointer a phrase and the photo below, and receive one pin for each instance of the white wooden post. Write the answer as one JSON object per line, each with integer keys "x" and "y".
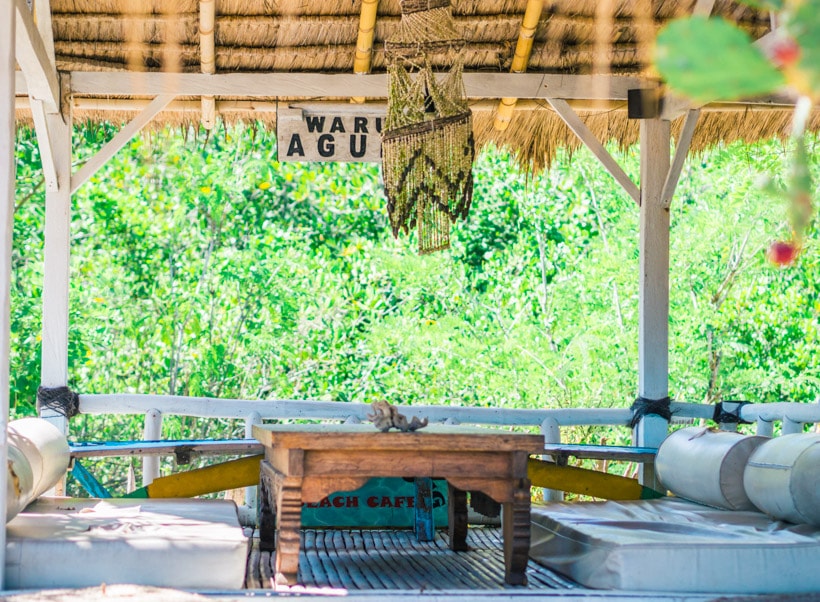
{"x": 7, "y": 189}
{"x": 765, "y": 428}
{"x": 250, "y": 420}
{"x": 54, "y": 370}
{"x": 653, "y": 321}
{"x": 552, "y": 434}
{"x": 152, "y": 432}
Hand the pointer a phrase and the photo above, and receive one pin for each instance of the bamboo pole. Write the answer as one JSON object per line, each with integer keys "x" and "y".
{"x": 523, "y": 50}
{"x": 364, "y": 43}
{"x": 207, "y": 50}
{"x": 7, "y": 188}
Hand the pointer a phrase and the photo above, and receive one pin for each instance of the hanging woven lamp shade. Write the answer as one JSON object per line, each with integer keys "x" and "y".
{"x": 427, "y": 143}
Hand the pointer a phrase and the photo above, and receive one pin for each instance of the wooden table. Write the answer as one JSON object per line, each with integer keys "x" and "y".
{"x": 306, "y": 462}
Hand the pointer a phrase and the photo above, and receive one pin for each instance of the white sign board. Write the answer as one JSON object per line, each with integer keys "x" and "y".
{"x": 327, "y": 135}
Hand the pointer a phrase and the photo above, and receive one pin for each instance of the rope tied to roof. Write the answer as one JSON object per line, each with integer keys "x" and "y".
{"x": 427, "y": 144}
{"x": 643, "y": 407}
{"x": 61, "y": 400}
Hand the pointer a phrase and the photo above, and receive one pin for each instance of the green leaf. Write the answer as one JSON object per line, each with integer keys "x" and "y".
{"x": 711, "y": 60}
{"x": 804, "y": 26}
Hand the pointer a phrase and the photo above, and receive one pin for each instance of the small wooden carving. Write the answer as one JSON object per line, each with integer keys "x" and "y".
{"x": 386, "y": 416}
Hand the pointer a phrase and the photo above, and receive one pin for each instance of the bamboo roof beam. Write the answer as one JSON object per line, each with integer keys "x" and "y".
{"x": 523, "y": 50}
{"x": 207, "y": 50}
{"x": 364, "y": 41}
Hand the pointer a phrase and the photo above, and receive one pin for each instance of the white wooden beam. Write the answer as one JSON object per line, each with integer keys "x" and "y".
{"x": 135, "y": 105}
{"x": 42, "y": 13}
{"x": 346, "y": 85}
{"x": 42, "y": 16}
{"x": 118, "y": 141}
{"x": 653, "y": 317}
{"x": 343, "y": 85}
{"x": 574, "y": 123}
{"x": 41, "y": 75}
{"x": 681, "y": 151}
{"x": 8, "y": 165}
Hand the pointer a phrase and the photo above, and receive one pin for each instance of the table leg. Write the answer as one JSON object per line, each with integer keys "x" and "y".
{"x": 457, "y": 518}
{"x": 515, "y": 521}
{"x": 266, "y": 513}
{"x": 423, "y": 525}
{"x": 288, "y": 496}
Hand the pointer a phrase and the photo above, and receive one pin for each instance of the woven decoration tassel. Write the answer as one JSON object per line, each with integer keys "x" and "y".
{"x": 427, "y": 143}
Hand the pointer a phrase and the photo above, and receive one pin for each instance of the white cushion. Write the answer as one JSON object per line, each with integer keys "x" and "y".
{"x": 674, "y": 545}
{"x": 64, "y": 542}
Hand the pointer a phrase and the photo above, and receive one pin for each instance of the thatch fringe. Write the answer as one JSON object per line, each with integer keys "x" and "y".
{"x": 535, "y": 135}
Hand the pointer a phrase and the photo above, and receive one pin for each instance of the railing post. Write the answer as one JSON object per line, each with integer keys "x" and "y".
{"x": 250, "y": 492}
{"x": 552, "y": 434}
{"x": 765, "y": 428}
{"x": 152, "y": 432}
{"x": 789, "y": 426}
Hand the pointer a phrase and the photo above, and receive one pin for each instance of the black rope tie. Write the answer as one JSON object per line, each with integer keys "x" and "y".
{"x": 728, "y": 412}
{"x": 643, "y": 407}
{"x": 61, "y": 400}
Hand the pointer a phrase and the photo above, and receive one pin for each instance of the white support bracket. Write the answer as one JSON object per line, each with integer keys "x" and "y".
{"x": 20, "y": 86}
{"x": 32, "y": 56}
{"x": 580, "y": 129}
{"x": 681, "y": 151}
{"x": 120, "y": 140}
{"x": 38, "y": 114}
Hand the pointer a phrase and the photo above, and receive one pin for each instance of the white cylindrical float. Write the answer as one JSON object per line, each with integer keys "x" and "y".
{"x": 38, "y": 458}
{"x": 782, "y": 478}
{"x": 706, "y": 466}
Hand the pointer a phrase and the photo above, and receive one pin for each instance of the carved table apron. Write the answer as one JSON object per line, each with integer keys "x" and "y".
{"x": 306, "y": 462}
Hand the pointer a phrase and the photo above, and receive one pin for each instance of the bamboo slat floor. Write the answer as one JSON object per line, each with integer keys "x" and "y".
{"x": 363, "y": 559}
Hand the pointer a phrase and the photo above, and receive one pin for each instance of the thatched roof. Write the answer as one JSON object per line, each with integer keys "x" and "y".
{"x": 319, "y": 36}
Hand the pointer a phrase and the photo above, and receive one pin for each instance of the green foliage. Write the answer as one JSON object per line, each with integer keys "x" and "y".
{"x": 711, "y": 59}
{"x": 805, "y": 27}
{"x": 204, "y": 267}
